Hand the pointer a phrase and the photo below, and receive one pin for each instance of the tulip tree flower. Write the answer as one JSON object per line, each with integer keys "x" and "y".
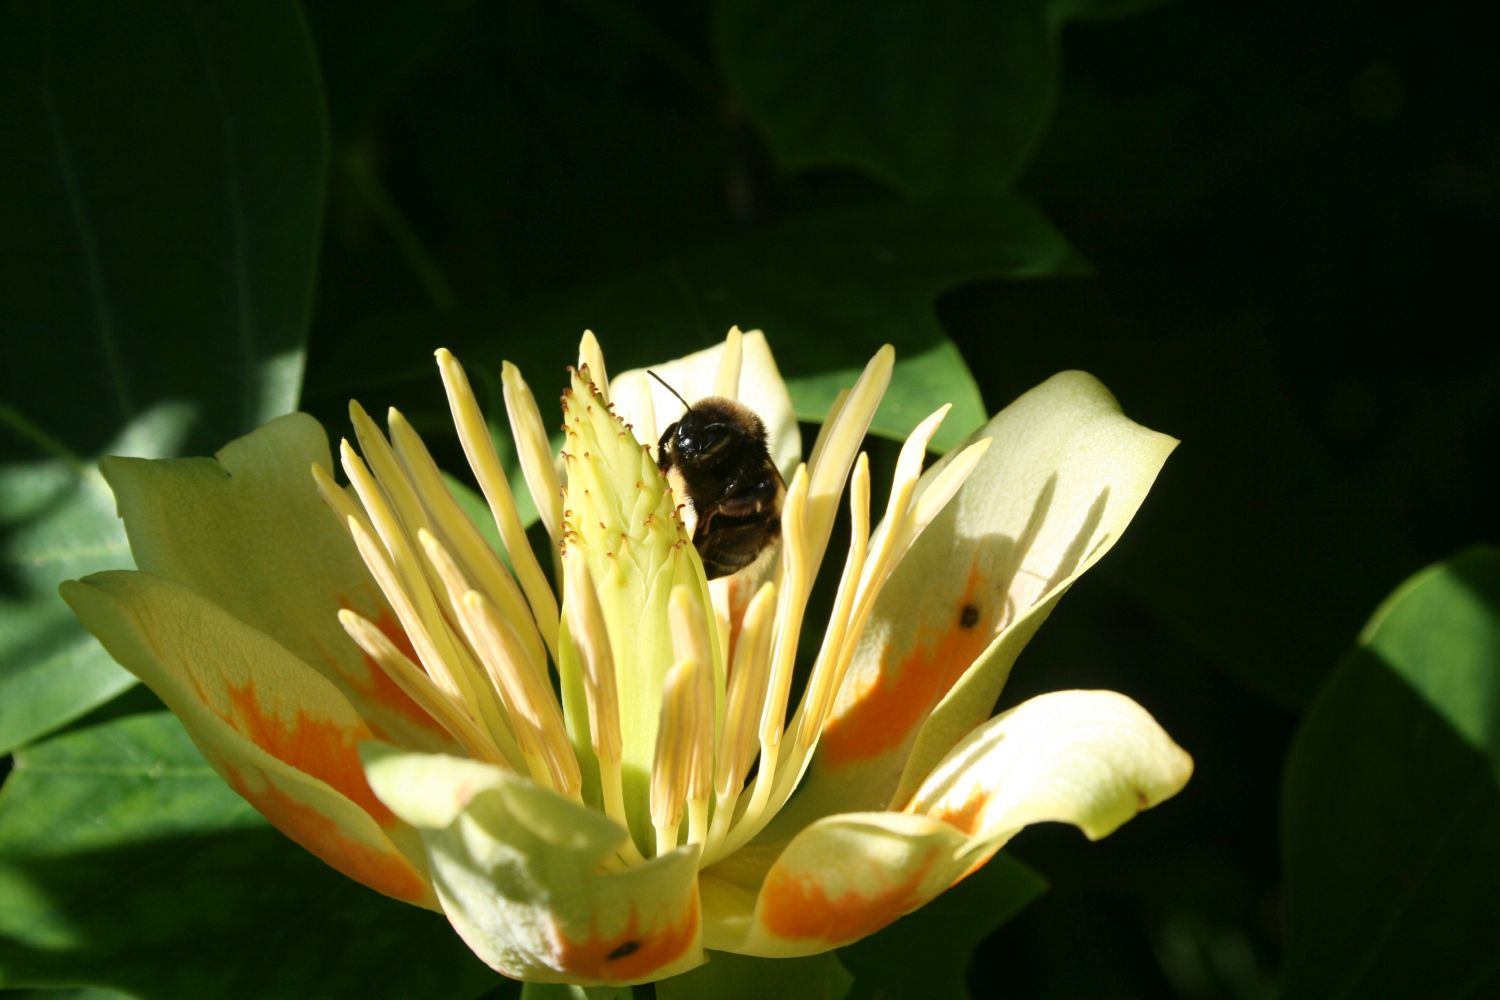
{"x": 662, "y": 797}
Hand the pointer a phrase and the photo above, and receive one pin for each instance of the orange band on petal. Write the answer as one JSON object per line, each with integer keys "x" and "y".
{"x": 887, "y": 711}
{"x": 385, "y": 872}
{"x": 628, "y": 955}
{"x": 314, "y": 746}
{"x": 967, "y": 816}
{"x": 796, "y": 907}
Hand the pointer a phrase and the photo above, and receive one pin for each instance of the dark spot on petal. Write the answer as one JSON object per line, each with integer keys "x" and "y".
{"x": 969, "y": 616}
{"x": 628, "y": 948}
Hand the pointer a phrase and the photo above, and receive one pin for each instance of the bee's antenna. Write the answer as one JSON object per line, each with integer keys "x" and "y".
{"x": 669, "y": 388}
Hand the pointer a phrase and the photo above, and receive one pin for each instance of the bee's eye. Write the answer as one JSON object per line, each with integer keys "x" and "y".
{"x": 713, "y": 438}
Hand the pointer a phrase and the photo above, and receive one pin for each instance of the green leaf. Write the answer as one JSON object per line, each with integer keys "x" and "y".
{"x": 742, "y": 977}
{"x": 166, "y": 209}
{"x": 828, "y": 289}
{"x": 126, "y": 863}
{"x": 1391, "y": 826}
{"x": 927, "y": 953}
{"x": 941, "y": 98}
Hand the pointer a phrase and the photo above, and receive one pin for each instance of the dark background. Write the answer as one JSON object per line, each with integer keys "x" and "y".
{"x": 1283, "y": 219}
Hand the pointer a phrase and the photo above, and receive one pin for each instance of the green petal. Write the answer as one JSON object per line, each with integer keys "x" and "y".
{"x": 1064, "y": 474}
{"x": 839, "y": 880}
{"x": 278, "y": 732}
{"x": 761, "y": 388}
{"x": 248, "y": 531}
{"x": 1090, "y": 758}
{"x": 521, "y": 873}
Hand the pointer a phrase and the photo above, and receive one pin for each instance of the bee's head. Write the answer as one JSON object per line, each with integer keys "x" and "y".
{"x": 705, "y": 430}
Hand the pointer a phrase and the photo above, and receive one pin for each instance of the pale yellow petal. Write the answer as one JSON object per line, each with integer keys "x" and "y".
{"x": 840, "y": 879}
{"x": 1065, "y": 472}
{"x": 248, "y": 531}
{"x": 1090, "y": 758}
{"x": 278, "y": 732}
{"x": 521, "y": 873}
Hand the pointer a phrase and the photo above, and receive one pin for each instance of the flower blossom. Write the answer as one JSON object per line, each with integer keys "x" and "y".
{"x": 601, "y": 782}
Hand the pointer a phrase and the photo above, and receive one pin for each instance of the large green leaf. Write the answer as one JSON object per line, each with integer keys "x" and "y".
{"x": 828, "y": 288}
{"x": 1391, "y": 829}
{"x": 126, "y": 862}
{"x": 937, "y": 98}
{"x": 160, "y": 192}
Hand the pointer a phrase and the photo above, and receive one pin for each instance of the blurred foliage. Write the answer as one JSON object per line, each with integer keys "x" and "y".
{"x": 1287, "y": 214}
{"x": 161, "y": 182}
{"x": 1391, "y": 828}
{"x": 125, "y": 861}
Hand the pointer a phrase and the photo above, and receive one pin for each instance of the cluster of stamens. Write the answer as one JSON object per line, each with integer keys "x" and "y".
{"x": 667, "y": 694}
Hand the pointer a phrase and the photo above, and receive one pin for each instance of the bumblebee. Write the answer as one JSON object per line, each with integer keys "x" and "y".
{"x": 716, "y": 459}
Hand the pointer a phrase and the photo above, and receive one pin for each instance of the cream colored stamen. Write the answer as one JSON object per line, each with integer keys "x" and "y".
{"x": 590, "y": 638}
{"x": 457, "y": 679}
{"x": 521, "y": 682}
{"x": 480, "y": 450}
{"x": 677, "y": 737}
{"x": 791, "y": 604}
{"x": 690, "y": 644}
{"x": 844, "y": 430}
{"x": 417, "y": 686}
{"x": 533, "y": 449}
{"x": 742, "y": 713}
{"x": 460, "y": 537}
{"x": 905, "y": 517}
{"x": 821, "y": 682}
